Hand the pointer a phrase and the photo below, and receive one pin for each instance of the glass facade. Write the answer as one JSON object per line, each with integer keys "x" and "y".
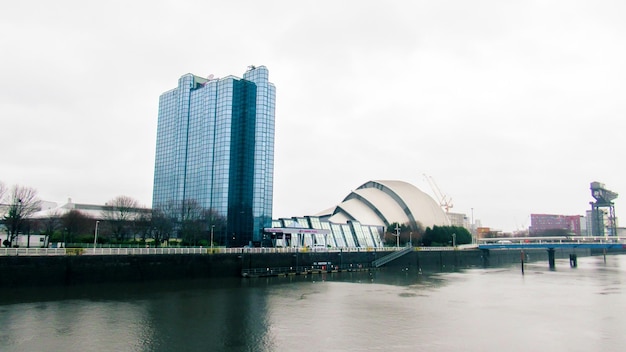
{"x": 215, "y": 146}
{"x": 310, "y": 231}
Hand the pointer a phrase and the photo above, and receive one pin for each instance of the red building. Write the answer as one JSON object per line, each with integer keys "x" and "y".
{"x": 542, "y": 222}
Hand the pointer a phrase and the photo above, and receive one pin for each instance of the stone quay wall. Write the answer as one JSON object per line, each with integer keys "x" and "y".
{"x": 18, "y": 271}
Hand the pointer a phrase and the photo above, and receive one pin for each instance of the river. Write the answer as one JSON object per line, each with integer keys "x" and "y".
{"x": 495, "y": 309}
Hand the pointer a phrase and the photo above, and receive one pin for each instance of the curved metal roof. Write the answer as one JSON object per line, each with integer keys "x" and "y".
{"x": 384, "y": 202}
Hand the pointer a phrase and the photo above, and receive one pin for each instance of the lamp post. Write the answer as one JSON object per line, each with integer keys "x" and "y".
{"x": 454, "y": 240}
{"x": 473, "y": 231}
{"x": 212, "y": 227}
{"x": 397, "y": 236}
{"x": 95, "y": 237}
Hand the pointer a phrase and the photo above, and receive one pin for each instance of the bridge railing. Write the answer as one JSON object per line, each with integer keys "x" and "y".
{"x": 553, "y": 239}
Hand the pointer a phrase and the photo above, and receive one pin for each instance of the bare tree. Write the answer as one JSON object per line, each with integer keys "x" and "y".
{"x": 119, "y": 213}
{"x": 216, "y": 223}
{"x": 19, "y": 204}
{"x": 192, "y": 224}
{"x": 3, "y": 190}
{"x": 142, "y": 225}
{"x": 4, "y": 207}
{"x": 167, "y": 220}
{"x": 187, "y": 219}
{"x": 50, "y": 224}
{"x": 161, "y": 226}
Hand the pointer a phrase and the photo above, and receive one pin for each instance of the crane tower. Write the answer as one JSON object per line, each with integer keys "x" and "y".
{"x": 604, "y": 199}
{"x": 445, "y": 202}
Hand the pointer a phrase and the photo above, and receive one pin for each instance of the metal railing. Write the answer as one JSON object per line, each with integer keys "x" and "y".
{"x": 198, "y": 250}
{"x": 391, "y": 257}
{"x": 553, "y": 239}
{"x": 32, "y": 251}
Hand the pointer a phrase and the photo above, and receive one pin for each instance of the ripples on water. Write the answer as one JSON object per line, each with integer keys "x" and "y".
{"x": 499, "y": 309}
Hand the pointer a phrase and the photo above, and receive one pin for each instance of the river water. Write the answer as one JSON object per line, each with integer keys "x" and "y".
{"x": 496, "y": 309}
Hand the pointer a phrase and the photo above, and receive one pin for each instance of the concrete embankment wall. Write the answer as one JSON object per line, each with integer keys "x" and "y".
{"x": 64, "y": 270}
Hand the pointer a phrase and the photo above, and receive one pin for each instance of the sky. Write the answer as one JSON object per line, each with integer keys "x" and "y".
{"x": 512, "y": 107}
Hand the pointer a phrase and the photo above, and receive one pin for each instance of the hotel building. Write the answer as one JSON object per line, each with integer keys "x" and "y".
{"x": 215, "y": 147}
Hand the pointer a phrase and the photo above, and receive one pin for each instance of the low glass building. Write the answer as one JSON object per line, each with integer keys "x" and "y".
{"x": 311, "y": 232}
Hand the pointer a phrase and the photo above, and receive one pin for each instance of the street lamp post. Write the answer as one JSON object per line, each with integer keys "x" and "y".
{"x": 212, "y": 227}
{"x": 397, "y": 236}
{"x": 95, "y": 237}
{"x": 473, "y": 230}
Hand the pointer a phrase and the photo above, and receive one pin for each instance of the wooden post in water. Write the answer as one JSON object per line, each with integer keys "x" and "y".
{"x": 551, "y": 258}
{"x": 522, "y": 260}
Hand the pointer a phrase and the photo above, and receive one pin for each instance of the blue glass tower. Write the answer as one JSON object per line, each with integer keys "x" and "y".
{"x": 215, "y": 146}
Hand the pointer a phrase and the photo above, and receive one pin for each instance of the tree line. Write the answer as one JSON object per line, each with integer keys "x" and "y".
{"x": 443, "y": 236}
{"x": 121, "y": 221}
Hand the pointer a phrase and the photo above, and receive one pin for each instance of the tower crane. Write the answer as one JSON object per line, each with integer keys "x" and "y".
{"x": 444, "y": 201}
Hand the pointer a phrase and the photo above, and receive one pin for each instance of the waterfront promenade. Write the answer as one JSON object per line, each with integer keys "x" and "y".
{"x": 203, "y": 250}
{"x": 63, "y": 266}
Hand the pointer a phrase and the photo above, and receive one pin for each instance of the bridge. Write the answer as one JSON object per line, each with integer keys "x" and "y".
{"x": 552, "y": 243}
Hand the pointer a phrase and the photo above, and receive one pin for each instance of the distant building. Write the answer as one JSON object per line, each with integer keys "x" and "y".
{"x": 26, "y": 240}
{"x": 541, "y": 223}
{"x": 484, "y": 232}
{"x": 94, "y": 211}
{"x": 215, "y": 147}
{"x": 460, "y": 220}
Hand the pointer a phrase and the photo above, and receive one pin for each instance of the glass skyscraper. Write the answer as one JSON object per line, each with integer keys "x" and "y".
{"x": 215, "y": 147}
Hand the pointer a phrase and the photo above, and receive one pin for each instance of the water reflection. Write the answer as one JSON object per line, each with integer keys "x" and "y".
{"x": 394, "y": 309}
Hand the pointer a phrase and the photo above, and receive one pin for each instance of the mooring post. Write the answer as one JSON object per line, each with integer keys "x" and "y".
{"x": 485, "y": 257}
{"x": 551, "y": 258}
{"x": 522, "y": 260}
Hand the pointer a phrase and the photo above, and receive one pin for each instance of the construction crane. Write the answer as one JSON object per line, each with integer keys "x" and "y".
{"x": 444, "y": 201}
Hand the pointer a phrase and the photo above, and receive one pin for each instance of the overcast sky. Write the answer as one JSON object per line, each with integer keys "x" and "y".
{"x": 513, "y": 107}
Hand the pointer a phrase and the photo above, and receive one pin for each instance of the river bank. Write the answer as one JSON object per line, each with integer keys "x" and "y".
{"x": 16, "y": 271}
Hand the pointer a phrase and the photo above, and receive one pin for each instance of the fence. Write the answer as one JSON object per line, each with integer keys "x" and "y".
{"x": 197, "y": 250}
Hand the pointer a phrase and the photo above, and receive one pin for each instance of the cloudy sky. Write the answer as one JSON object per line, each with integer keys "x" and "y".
{"x": 512, "y": 107}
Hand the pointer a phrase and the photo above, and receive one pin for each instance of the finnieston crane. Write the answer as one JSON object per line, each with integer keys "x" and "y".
{"x": 444, "y": 201}
{"x": 604, "y": 199}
